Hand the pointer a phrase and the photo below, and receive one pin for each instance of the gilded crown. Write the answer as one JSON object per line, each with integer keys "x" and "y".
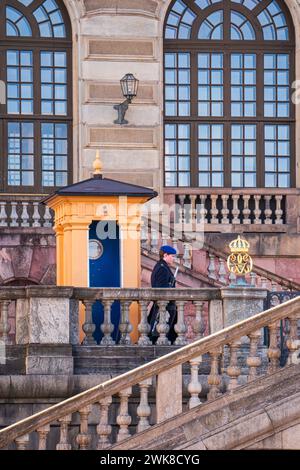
{"x": 239, "y": 245}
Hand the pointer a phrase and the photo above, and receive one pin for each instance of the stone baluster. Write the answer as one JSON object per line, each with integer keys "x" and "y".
{"x": 24, "y": 215}
{"x": 144, "y": 230}
{"x": 175, "y": 245}
{"x": 14, "y": 215}
{"x": 203, "y": 210}
{"x": 162, "y": 326}
{"x": 83, "y": 439}
{"x": 292, "y": 341}
{"x": 187, "y": 255}
{"x": 125, "y": 326}
{"x": 88, "y": 327}
{"x": 193, "y": 212}
{"x": 123, "y": 418}
{"x": 222, "y": 271}
{"x": 3, "y": 215}
{"x": 182, "y": 208}
{"x": 154, "y": 237}
{"x": 103, "y": 428}
{"x": 273, "y": 350}
{"x": 36, "y": 215}
{"x": 144, "y": 410}
{"x": 253, "y": 279}
{"x": 264, "y": 282}
{"x": 180, "y": 326}
{"x": 246, "y": 210}
{"x": 214, "y": 378}
{"x": 268, "y": 211}
{"x": 47, "y": 217}
{"x": 107, "y": 327}
{"x": 198, "y": 325}
{"x": 164, "y": 239}
{"x": 212, "y": 273}
{"x": 253, "y": 361}
{"x": 4, "y": 322}
{"x": 233, "y": 370}
{"x": 225, "y": 210}
{"x": 257, "y": 211}
{"x": 235, "y": 209}
{"x": 43, "y": 432}
{"x": 64, "y": 438}
{"x": 144, "y": 327}
{"x": 194, "y": 387}
{"x": 214, "y": 211}
{"x": 22, "y": 442}
{"x": 278, "y": 210}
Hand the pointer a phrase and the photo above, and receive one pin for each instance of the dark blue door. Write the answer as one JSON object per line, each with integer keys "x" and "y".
{"x": 104, "y": 269}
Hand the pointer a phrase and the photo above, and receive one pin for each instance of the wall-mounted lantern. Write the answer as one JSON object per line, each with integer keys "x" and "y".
{"x": 129, "y": 86}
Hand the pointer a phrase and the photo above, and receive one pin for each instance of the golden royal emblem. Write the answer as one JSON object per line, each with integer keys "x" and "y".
{"x": 239, "y": 262}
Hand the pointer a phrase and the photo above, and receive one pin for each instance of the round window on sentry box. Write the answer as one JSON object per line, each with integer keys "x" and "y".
{"x": 95, "y": 249}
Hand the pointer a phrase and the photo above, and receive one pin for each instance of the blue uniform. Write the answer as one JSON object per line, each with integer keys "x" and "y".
{"x": 162, "y": 277}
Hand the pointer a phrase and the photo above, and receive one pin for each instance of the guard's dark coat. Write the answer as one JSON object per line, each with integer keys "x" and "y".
{"x": 162, "y": 276}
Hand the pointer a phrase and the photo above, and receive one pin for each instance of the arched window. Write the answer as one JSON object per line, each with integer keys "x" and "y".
{"x": 36, "y": 116}
{"x": 229, "y": 118}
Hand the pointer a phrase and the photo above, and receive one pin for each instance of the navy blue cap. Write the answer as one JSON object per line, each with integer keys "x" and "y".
{"x": 168, "y": 249}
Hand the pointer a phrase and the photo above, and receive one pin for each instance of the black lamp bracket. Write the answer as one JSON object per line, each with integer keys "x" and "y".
{"x": 122, "y": 108}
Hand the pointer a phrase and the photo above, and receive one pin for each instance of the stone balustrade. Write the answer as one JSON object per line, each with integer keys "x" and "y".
{"x": 50, "y": 314}
{"x": 145, "y": 297}
{"x": 223, "y": 207}
{"x": 24, "y": 211}
{"x": 164, "y": 376}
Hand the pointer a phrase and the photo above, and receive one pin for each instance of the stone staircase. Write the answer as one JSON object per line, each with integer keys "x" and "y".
{"x": 263, "y": 414}
{"x": 204, "y": 266}
{"x": 247, "y": 400}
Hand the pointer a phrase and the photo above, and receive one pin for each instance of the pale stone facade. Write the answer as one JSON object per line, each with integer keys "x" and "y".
{"x": 112, "y": 38}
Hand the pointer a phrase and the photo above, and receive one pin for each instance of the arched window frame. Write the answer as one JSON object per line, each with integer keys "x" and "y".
{"x": 36, "y": 44}
{"x": 259, "y": 46}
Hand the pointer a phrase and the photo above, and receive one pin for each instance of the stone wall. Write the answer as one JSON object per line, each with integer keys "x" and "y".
{"x": 117, "y": 37}
{"x": 27, "y": 256}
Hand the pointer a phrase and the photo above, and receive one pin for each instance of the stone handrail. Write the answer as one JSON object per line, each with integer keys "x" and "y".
{"x": 142, "y": 376}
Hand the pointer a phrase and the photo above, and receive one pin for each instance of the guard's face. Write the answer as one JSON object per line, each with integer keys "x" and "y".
{"x": 169, "y": 258}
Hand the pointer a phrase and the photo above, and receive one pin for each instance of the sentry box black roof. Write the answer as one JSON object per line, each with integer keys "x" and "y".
{"x": 99, "y": 186}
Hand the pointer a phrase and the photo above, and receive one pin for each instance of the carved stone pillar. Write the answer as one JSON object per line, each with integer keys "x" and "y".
{"x": 84, "y": 438}
{"x": 107, "y": 327}
{"x": 273, "y": 350}
{"x": 144, "y": 327}
{"x": 88, "y": 326}
{"x": 144, "y": 410}
{"x": 125, "y": 327}
{"x": 180, "y": 326}
{"x": 198, "y": 325}
{"x": 253, "y": 360}
{"x": 103, "y": 428}
{"x": 64, "y": 439}
{"x": 162, "y": 326}
{"x": 194, "y": 386}
{"x": 292, "y": 341}
{"x": 233, "y": 370}
{"x": 43, "y": 432}
{"x": 22, "y": 442}
{"x": 214, "y": 378}
{"x": 123, "y": 418}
